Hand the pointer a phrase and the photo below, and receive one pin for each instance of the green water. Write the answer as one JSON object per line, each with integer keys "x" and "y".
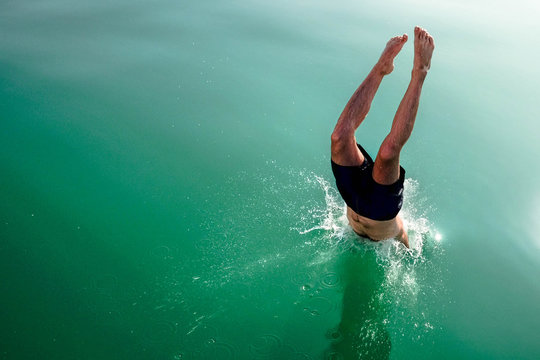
{"x": 166, "y": 190}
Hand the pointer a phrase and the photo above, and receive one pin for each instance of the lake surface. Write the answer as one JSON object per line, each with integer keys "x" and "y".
{"x": 166, "y": 190}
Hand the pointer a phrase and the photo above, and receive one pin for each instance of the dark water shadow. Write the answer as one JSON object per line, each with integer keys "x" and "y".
{"x": 361, "y": 333}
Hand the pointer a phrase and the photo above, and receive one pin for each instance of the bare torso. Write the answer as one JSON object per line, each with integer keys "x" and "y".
{"x": 378, "y": 230}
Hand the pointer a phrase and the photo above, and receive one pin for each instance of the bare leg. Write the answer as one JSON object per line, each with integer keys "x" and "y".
{"x": 344, "y": 149}
{"x": 386, "y": 169}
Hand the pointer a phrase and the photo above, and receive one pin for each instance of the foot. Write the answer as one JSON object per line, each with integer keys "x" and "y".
{"x": 423, "y": 49}
{"x": 393, "y": 46}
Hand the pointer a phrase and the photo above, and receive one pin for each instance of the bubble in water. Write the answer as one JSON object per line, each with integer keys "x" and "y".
{"x": 330, "y": 280}
{"x": 266, "y": 345}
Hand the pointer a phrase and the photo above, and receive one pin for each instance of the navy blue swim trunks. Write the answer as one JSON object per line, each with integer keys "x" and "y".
{"x": 364, "y": 195}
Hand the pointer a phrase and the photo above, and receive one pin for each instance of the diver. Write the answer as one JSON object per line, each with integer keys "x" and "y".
{"x": 373, "y": 190}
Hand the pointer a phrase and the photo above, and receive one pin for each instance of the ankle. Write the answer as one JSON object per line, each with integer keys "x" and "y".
{"x": 419, "y": 74}
{"x": 382, "y": 68}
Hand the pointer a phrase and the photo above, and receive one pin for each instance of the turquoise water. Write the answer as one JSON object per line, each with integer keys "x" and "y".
{"x": 166, "y": 190}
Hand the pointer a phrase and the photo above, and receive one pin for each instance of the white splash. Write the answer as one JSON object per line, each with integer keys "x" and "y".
{"x": 398, "y": 262}
{"x": 333, "y": 218}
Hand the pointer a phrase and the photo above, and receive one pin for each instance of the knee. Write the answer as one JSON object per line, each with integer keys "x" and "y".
{"x": 339, "y": 138}
{"x": 336, "y": 137}
{"x": 389, "y": 151}
{"x": 339, "y": 141}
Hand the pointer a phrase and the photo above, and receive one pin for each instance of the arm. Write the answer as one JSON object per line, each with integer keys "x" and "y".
{"x": 402, "y": 236}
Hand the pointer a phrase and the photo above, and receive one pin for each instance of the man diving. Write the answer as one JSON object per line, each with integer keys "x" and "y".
{"x": 373, "y": 190}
